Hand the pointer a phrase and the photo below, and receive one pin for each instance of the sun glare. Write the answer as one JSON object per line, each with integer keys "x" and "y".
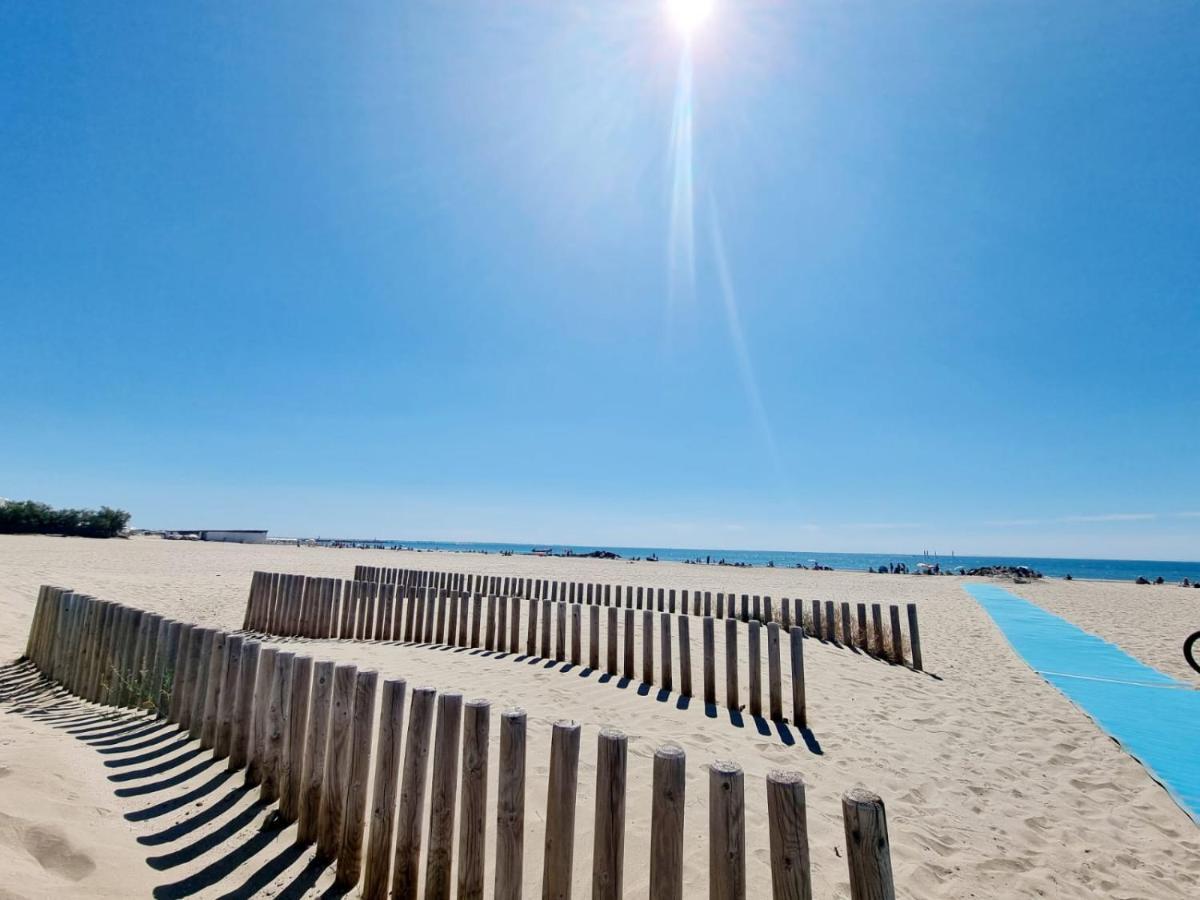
{"x": 688, "y": 15}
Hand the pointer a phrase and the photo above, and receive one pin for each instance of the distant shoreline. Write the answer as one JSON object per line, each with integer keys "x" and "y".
{"x": 1172, "y": 572}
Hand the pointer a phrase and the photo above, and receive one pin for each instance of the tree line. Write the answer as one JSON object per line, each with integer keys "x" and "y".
{"x": 31, "y": 517}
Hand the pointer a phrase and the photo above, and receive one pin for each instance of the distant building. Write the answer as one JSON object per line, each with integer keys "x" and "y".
{"x": 243, "y": 536}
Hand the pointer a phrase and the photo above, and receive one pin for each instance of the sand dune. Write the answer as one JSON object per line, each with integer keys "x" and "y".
{"x": 996, "y": 785}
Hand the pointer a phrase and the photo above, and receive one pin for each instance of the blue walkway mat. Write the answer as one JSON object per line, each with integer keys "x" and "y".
{"x": 1154, "y": 717}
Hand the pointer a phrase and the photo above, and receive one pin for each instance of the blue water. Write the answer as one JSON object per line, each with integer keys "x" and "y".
{"x": 1153, "y": 716}
{"x": 1108, "y": 569}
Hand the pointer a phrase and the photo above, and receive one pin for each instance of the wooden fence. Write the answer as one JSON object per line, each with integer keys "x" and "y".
{"x": 301, "y": 606}
{"x": 304, "y": 732}
{"x": 828, "y": 621}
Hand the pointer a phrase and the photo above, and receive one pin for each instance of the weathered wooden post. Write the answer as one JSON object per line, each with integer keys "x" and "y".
{"x": 863, "y": 636}
{"x": 200, "y": 691}
{"x": 754, "y": 660}
{"x": 442, "y": 796}
{"x": 531, "y": 633}
{"x": 629, "y": 644}
{"x": 409, "y": 818}
{"x": 774, "y": 672}
{"x": 560, "y": 636}
{"x": 489, "y": 642}
{"x": 817, "y": 630}
{"x": 331, "y": 822}
{"x": 868, "y": 856}
{"x": 577, "y": 634}
{"x": 612, "y": 641}
{"x": 666, "y": 823}
{"x": 546, "y": 605}
{"x": 212, "y": 695}
{"x": 594, "y": 638}
{"x": 648, "y": 647}
{"x": 830, "y": 623}
{"x": 914, "y": 637}
{"x": 608, "y": 854}
{"x": 847, "y": 635}
{"x": 710, "y": 663}
{"x": 897, "y": 635}
{"x": 277, "y": 703}
{"x": 791, "y": 878}
{"x": 685, "y": 658}
{"x": 799, "y": 711}
{"x": 664, "y": 631}
{"x": 315, "y": 756}
{"x": 227, "y": 695}
{"x": 350, "y": 850}
{"x": 510, "y": 806}
{"x": 472, "y": 827}
{"x": 291, "y": 774}
{"x": 726, "y": 832}
{"x": 877, "y": 625}
{"x": 243, "y": 707}
{"x": 559, "y": 849}
{"x": 731, "y": 665}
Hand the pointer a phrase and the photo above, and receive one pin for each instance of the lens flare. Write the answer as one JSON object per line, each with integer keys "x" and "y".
{"x": 688, "y": 15}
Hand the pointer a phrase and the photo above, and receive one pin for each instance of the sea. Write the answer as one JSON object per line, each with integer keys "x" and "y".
{"x": 1103, "y": 569}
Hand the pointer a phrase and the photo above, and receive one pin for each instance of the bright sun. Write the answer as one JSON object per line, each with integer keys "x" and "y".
{"x": 688, "y": 15}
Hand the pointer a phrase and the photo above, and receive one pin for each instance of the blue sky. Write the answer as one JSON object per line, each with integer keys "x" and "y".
{"x": 421, "y": 270}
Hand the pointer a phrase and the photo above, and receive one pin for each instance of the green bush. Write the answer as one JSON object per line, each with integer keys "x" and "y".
{"x": 30, "y": 517}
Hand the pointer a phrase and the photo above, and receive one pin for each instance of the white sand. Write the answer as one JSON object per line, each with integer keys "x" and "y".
{"x": 996, "y": 786}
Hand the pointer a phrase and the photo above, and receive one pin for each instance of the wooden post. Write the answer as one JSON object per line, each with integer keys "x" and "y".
{"x": 847, "y": 635}
{"x": 726, "y": 832}
{"x": 350, "y": 851}
{"x": 166, "y": 683}
{"x": 785, "y": 616}
{"x": 648, "y": 647}
{"x": 546, "y": 604}
{"x": 757, "y": 614}
{"x": 664, "y": 631}
{"x": 489, "y": 642}
{"x": 914, "y": 637}
{"x": 799, "y": 711}
{"x": 612, "y": 641}
{"x": 514, "y": 638}
{"x": 531, "y": 633}
{"x": 593, "y": 638}
{"x": 181, "y": 699}
{"x": 731, "y": 665}
{"x": 817, "y": 631}
{"x": 501, "y": 622}
{"x": 560, "y": 634}
{"x": 510, "y": 806}
{"x": 707, "y": 603}
{"x": 710, "y": 663}
{"x": 226, "y": 696}
{"x": 685, "y": 658}
{"x": 877, "y": 625}
{"x": 200, "y": 691}
{"x": 316, "y": 744}
{"x": 863, "y": 642}
{"x": 754, "y": 660}
{"x": 868, "y": 856}
{"x": 280, "y": 694}
{"x": 830, "y": 623}
{"x": 472, "y": 827}
{"x": 243, "y": 706}
{"x": 897, "y": 635}
{"x": 629, "y": 644}
{"x": 790, "y": 871}
{"x": 608, "y": 853}
{"x": 774, "y": 672}
{"x": 577, "y": 634}
{"x": 291, "y": 773}
{"x": 442, "y": 795}
{"x": 559, "y": 849}
{"x": 666, "y": 823}
{"x": 212, "y": 696}
{"x": 409, "y": 819}
{"x": 331, "y": 818}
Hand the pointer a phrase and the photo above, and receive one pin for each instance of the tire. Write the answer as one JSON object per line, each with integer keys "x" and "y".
{"x": 1189, "y": 648}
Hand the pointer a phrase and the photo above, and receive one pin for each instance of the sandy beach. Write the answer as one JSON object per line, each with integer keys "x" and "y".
{"x": 995, "y": 785}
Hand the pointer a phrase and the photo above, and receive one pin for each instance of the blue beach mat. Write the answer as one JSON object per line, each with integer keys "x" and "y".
{"x": 1154, "y": 717}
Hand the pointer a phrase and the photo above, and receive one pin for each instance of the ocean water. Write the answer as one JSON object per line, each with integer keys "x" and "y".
{"x": 1106, "y": 569}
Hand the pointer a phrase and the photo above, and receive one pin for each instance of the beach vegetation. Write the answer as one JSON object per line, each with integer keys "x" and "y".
{"x": 31, "y": 517}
